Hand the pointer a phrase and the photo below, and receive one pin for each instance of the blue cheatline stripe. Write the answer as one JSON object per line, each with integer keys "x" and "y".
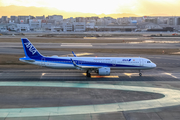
{"x": 84, "y": 63}
{"x": 172, "y": 98}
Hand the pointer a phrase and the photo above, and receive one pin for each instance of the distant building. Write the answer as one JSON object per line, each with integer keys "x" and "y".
{"x": 46, "y": 26}
{"x": 67, "y": 27}
{"x": 105, "y": 21}
{"x": 174, "y": 21}
{"x": 40, "y": 17}
{"x": 178, "y": 21}
{"x": 50, "y": 21}
{"x": 108, "y": 18}
{"x": 100, "y": 22}
{"x": 92, "y": 19}
{"x": 23, "y": 27}
{"x": 149, "y": 25}
{"x": 69, "y": 20}
{"x": 58, "y": 19}
{"x": 35, "y": 24}
{"x": 12, "y": 27}
{"x": 24, "y": 19}
{"x": 39, "y": 29}
{"x": 13, "y": 19}
{"x": 152, "y": 20}
{"x": 133, "y": 22}
{"x": 31, "y": 17}
{"x": 57, "y": 28}
{"x": 171, "y": 21}
{"x": 112, "y": 27}
{"x": 139, "y": 19}
{"x": 90, "y": 26}
{"x": 80, "y": 19}
{"x": 123, "y": 21}
{"x": 3, "y": 28}
{"x": 79, "y": 26}
{"x": 55, "y": 17}
{"x": 4, "y": 19}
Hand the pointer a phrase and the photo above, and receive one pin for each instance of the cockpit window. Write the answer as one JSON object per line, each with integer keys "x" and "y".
{"x": 148, "y": 61}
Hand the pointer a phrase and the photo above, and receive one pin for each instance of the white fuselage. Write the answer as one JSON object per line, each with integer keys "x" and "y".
{"x": 125, "y": 63}
{"x": 100, "y": 65}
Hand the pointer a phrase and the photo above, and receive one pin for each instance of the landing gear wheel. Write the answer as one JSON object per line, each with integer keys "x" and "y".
{"x": 140, "y": 74}
{"x": 88, "y": 74}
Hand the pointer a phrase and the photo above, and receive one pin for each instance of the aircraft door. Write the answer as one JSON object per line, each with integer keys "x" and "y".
{"x": 114, "y": 62}
{"x": 141, "y": 62}
{"x": 43, "y": 62}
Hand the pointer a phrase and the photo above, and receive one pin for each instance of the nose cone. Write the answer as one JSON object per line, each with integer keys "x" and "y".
{"x": 153, "y": 65}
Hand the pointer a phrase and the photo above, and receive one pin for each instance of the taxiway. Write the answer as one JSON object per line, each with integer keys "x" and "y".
{"x": 40, "y": 93}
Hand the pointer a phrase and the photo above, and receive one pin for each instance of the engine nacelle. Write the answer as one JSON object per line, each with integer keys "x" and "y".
{"x": 104, "y": 71}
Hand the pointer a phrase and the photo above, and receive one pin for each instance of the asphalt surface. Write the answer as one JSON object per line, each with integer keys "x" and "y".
{"x": 32, "y": 97}
{"x": 165, "y": 76}
{"x": 94, "y": 45}
{"x": 29, "y": 97}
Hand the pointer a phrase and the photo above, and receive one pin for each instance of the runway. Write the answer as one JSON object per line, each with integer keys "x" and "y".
{"x": 41, "y": 93}
{"x": 57, "y": 94}
{"x": 75, "y": 75}
{"x": 94, "y": 45}
{"x": 63, "y": 94}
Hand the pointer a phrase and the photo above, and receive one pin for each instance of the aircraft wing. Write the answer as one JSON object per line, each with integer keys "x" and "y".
{"x": 84, "y": 67}
{"x": 89, "y": 67}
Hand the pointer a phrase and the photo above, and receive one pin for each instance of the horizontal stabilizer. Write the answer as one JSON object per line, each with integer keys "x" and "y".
{"x": 27, "y": 59}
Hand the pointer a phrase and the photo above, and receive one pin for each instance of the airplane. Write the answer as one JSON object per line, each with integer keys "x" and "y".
{"x": 100, "y": 65}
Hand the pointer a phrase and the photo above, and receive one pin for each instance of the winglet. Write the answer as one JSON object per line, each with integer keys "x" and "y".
{"x": 74, "y": 54}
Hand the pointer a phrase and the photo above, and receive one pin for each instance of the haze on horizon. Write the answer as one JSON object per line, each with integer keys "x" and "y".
{"x": 138, "y": 7}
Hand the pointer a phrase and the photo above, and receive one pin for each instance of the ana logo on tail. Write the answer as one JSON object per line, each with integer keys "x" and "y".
{"x": 31, "y": 48}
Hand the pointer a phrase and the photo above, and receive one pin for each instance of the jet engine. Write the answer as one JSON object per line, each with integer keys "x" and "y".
{"x": 104, "y": 71}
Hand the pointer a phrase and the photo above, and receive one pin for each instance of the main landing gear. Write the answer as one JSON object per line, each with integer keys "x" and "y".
{"x": 88, "y": 74}
{"x": 140, "y": 74}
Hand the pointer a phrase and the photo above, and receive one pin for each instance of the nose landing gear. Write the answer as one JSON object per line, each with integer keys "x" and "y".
{"x": 140, "y": 74}
{"x": 88, "y": 74}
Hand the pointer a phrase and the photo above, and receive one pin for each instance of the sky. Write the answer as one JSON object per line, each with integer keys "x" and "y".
{"x": 139, "y": 7}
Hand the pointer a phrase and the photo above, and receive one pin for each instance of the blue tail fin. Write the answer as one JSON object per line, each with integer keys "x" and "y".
{"x": 29, "y": 50}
